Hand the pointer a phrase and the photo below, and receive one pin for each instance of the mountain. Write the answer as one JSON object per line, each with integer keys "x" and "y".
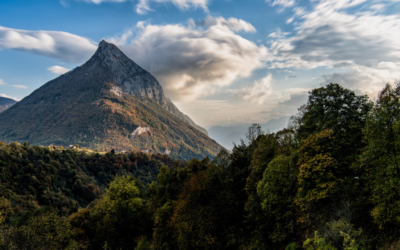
{"x": 228, "y": 135}
{"x": 109, "y": 102}
{"x": 5, "y": 103}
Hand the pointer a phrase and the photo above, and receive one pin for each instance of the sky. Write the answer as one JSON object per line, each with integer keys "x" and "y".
{"x": 222, "y": 62}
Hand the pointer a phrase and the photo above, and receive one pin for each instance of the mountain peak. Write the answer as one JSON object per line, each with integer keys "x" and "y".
{"x": 108, "y": 102}
{"x": 106, "y": 49}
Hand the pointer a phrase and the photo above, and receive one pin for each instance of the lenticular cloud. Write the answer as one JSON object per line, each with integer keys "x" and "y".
{"x": 61, "y": 45}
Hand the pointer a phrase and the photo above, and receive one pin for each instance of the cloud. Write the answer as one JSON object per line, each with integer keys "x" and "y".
{"x": 259, "y": 92}
{"x": 283, "y": 3}
{"x": 19, "y": 86}
{"x": 366, "y": 80}
{"x": 278, "y": 34}
{"x": 195, "y": 60}
{"x": 2, "y": 82}
{"x": 233, "y": 24}
{"x": 61, "y": 45}
{"x": 58, "y": 69}
{"x": 333, "y": 35}
{"x": 329, "y": 35}
{"x": 7, "y": 96}
{"x": 295, "y": 99}
{"x": 143, "y": 6}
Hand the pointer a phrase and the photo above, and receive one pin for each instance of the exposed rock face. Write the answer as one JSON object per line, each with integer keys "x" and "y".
{"x": 6, "y": 103}
{"x": 140, "y": 130}
{"x": 131, "y": 79}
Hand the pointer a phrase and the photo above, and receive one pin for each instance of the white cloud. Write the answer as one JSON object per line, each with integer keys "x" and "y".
{"x": 196, "y": 60}
{"x": 259, "y": 92}
{"x": 143, "y": 6}
{"x": 19, "y": 86}
{"x": 283, "y": 3}
{"x": 233, "y": 24}
{"x": 7, "y": 96}
{"x": 58, "y": 69}
{"x": 279, "y": 34}
{"x": 331, "y": 35}
{"x": 290, "y": 20}
{"x": 2, "y": 82}
{"x": 61, "y": 45}
{"x": 367, "y": 80}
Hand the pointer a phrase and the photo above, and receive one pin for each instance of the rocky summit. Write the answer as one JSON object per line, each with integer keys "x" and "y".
{"x": 109, "y": 102}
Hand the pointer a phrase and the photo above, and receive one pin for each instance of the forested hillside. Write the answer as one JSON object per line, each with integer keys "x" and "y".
{"x": 330, "y": 180}
{"x": 68, "y": 179}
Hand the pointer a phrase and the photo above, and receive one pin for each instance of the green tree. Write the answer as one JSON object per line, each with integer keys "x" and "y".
{"x": 340, "y": 110}
{"x": 278, "y": 190}
{"x": 118, "y": 219}
{"x": 320, "y": 183}
{"x": 380, "y": 161}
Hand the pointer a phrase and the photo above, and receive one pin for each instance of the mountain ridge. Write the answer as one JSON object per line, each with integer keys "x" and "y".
{"x": 6, "y": 103}
{"x": 97, "y": 106}
{"x": 227, "y": 135}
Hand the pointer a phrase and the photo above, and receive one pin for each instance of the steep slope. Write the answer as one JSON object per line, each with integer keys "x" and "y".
{"x": 5, "y": 103}
{"x": 108, "y": 102}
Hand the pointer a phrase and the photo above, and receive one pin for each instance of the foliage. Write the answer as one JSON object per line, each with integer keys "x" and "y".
{"x": 340, "y": 110}
{"x": 68, "y": 179}
{"x": 380, "y": 161}
{"x": 318, "y": 175}
{"x": 43, "y": 230}
{"x": 277, "y": 191}
{"x": 330, "y": 181}
{"x": 117, "y": 220}
{"x": 317, "y": 243}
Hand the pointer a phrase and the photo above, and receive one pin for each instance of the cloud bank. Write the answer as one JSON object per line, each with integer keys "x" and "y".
{"x": 195, "y": 60}
{"x": 60, "y": 45}
{"x": 364, "y": 41}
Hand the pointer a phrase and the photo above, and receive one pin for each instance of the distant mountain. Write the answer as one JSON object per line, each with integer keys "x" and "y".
{"x": 5, "y": 103}
{"x": 228, "y": 135}
{"x": 108, "y": 102}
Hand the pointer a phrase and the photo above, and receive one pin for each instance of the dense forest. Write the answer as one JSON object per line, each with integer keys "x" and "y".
{"x": 330, "y": 180}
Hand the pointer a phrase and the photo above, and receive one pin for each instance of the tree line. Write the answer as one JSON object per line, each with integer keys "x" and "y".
{"x": 330, "y": 180}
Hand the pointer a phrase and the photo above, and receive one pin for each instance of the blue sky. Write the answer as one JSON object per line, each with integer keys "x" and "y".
{"x": 223, "y": 62}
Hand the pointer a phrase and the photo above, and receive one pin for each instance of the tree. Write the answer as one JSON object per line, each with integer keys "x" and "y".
{"x": 277, "y": 191}
{"x": 118, "y": 219}
{"x": 340, "y": 110}
{"x": 320, "y": 182}
{"x": 380, "y": 161}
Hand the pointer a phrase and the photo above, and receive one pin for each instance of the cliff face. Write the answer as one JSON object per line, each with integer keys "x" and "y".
{"x": 129, "y": 78}
{"x": 100, "y": 105}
